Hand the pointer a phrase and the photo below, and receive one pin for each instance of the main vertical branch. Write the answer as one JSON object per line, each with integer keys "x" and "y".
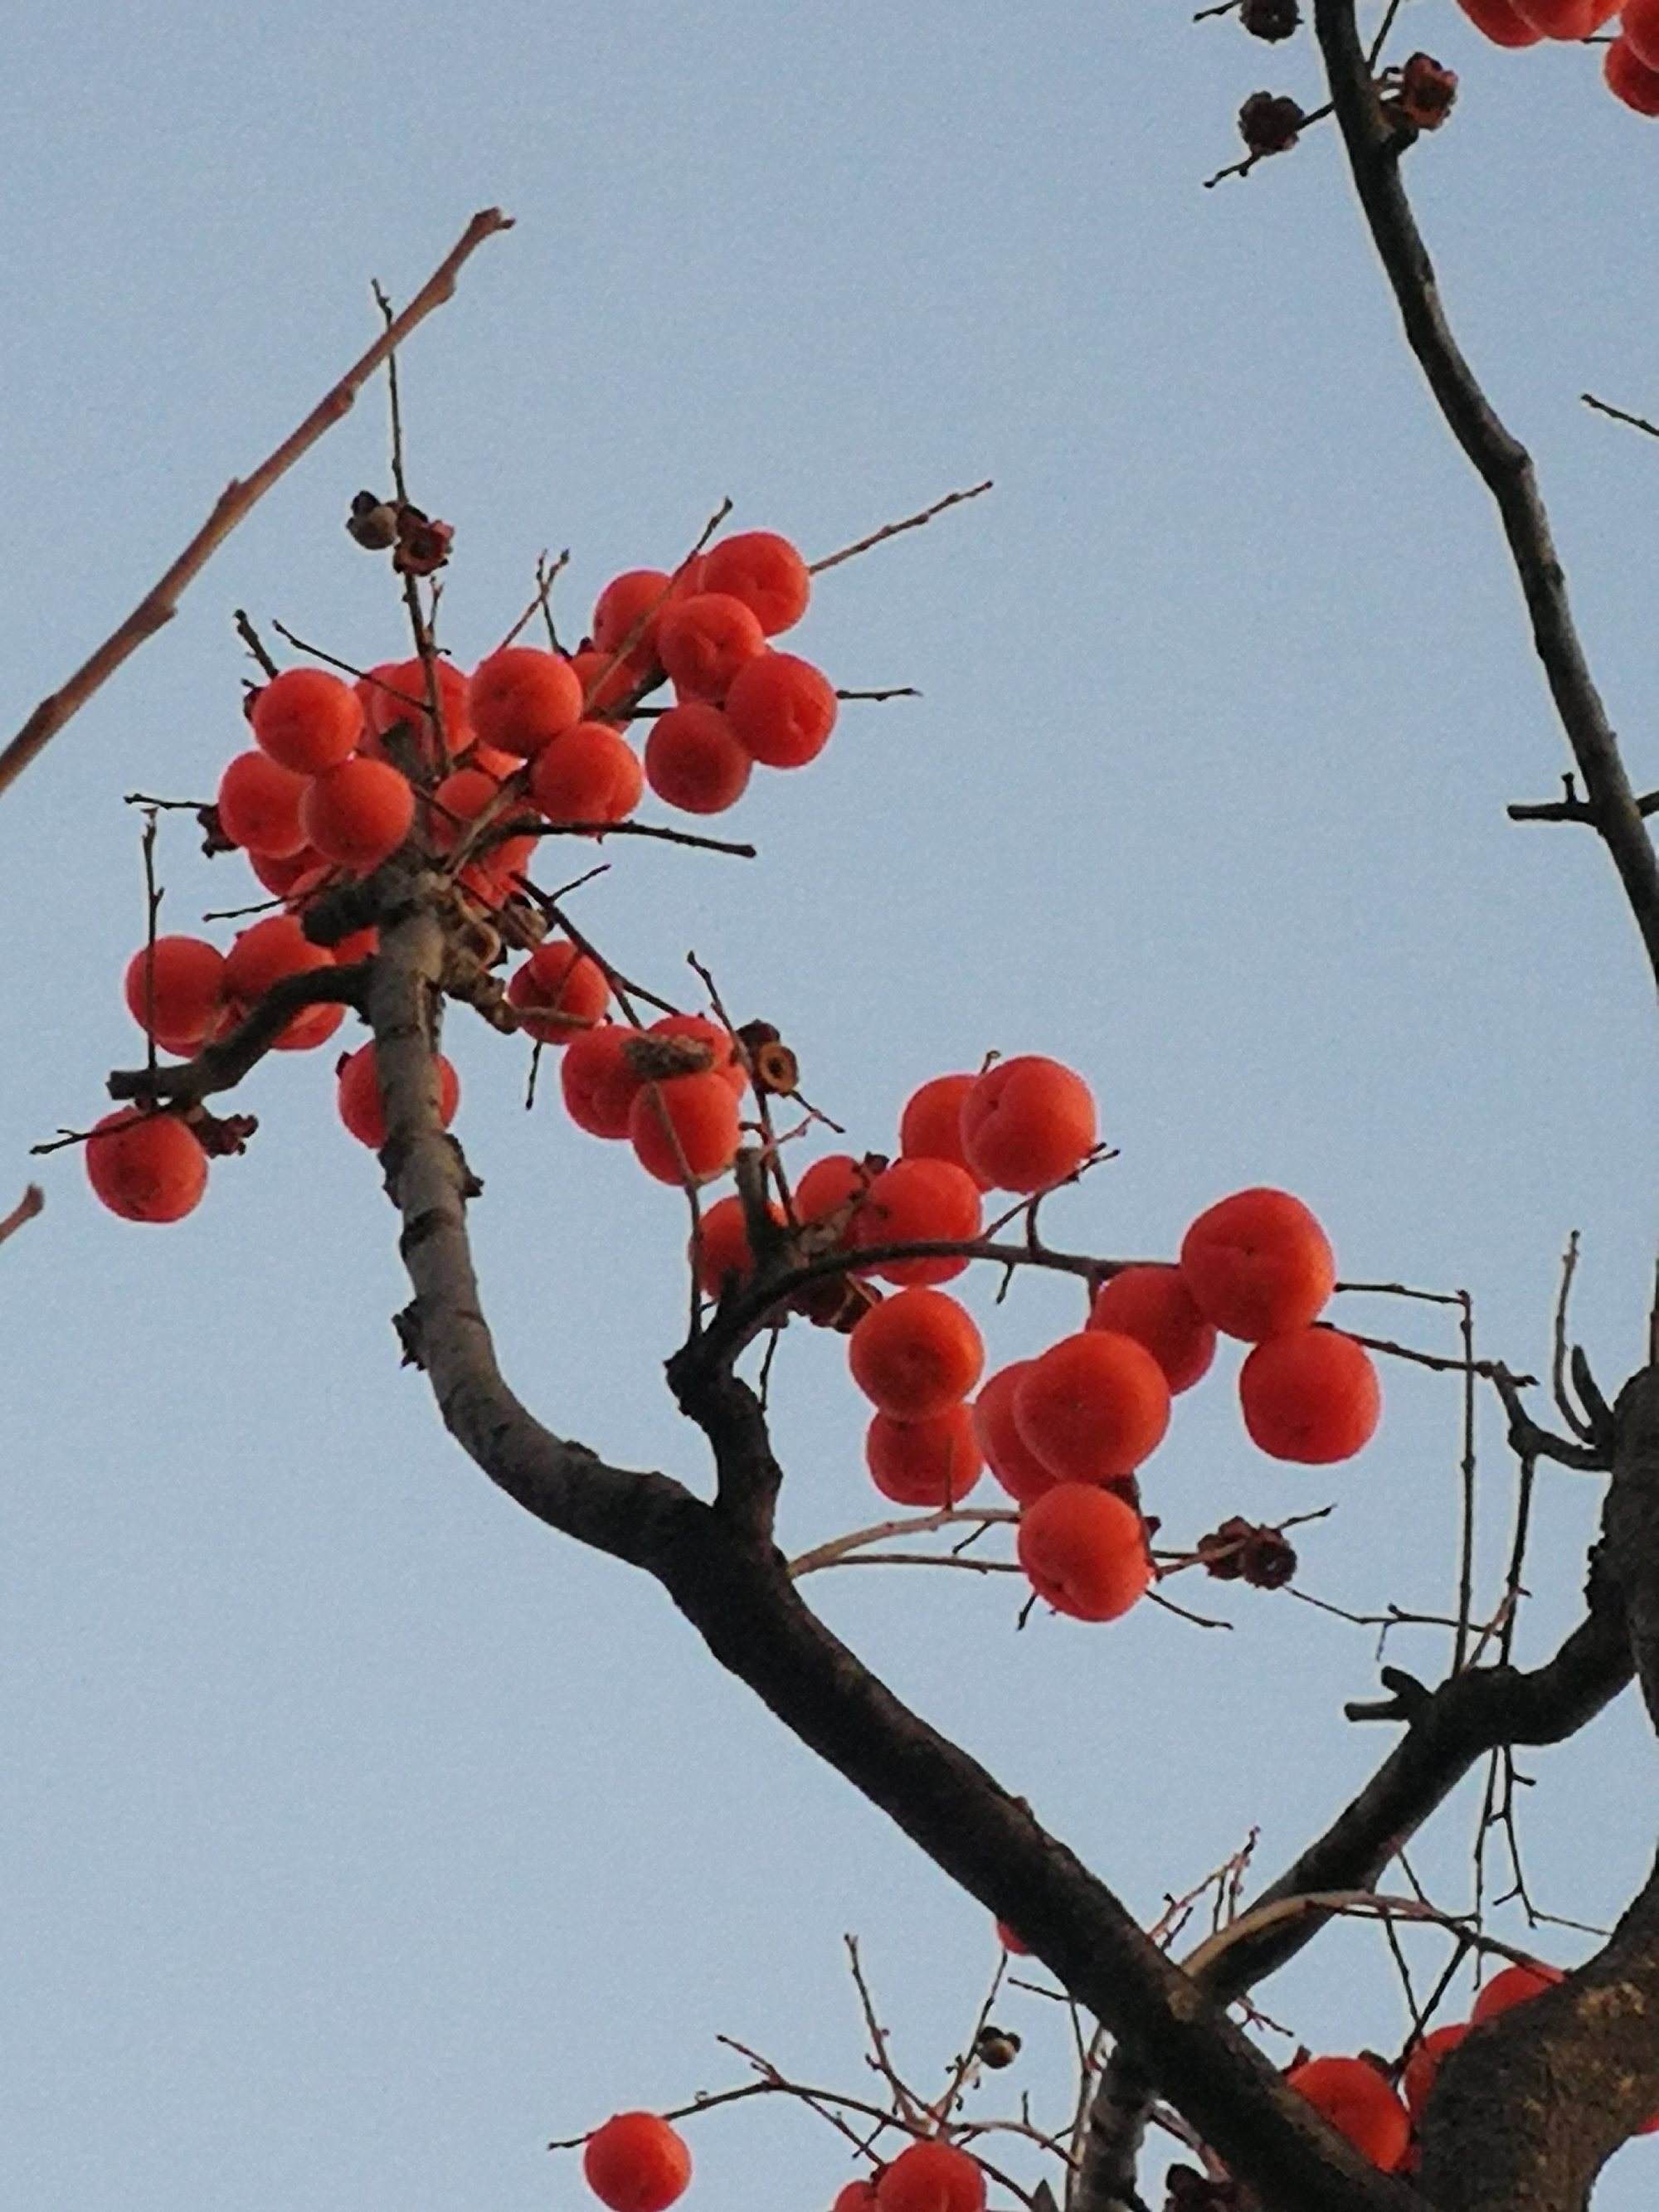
{"x": 1374, "y": 147}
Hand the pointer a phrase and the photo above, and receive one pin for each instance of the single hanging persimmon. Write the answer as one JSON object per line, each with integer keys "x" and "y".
{"x": 1310, "y": 1396}
{"x": 258, "y": 807}
{"x": 1093, "y": 1406}
{"x": 358, "y": 814}
{"x": 765, "y": 571}
{"x": 685, "y": 1129}
{"x": 590, "y": 774}
{"x": 933, "y": 1461}
{"x": 636, "y": 2163}
{"x": 1027, "y": 1123}
{"x": 358, "y": 1095}
{"x": 781, "y": 709}
{"x": 306, "y": 720}
{"x": 395, "y": 693}
{"x": 693, "y": 759}
{"x": 600, "y": 1080}
{"x": 145, "y": 1167}
{"x": 1257, "y": 1264}
{"x": 264, "y": 954}
{"x": 719, "y": 1251}
{"x": 1630, "y": 79}
{"x": 176, "y": 990}
{"x": 1007, "y": 1455}
{"x": 626, "y": 615}
{"x": 1083, "y": 1550}
{"x": 701, "y": 1028}
{"x": 1360, "y": 2104}
{"x": 704, "y": 641}
{"x": 931, "y": 2177}
{"x": 558, "y": 992}
{"x": 1417, "y": 2082}
{"x": 1514, "y": 1985}
{"x": 918, "y": 1202}
{"x": 521, "y": 699}
{"x": 916, "y": 1354}
{"x": 930, "y": 1128}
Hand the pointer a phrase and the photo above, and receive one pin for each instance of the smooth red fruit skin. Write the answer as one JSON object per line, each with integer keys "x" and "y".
{"x": 855, "y": 2197}
{"x": 1083, "y": 1551}
{"x": 1360, "y": 2104}
{"x": 1417, "y": 2082}
{"x": 1513, "y": 1986}
{"x": 1153, "y": 1305}
{"x": 765, "y": 571}
{"x": 719, "y": 1251}
{"x": 636, "y": 2163}
{"x": 931, "y": 2177}
{"x": 177, "y": 987}
{"x": 1027, "y": 1123}
{"x": 1011, "y": 1943}
{"x": 1310, "y": 1396}
{"x": 597, "y": 1081}
{"x": 701, "y": 1113}
{"x": 258, "y": 807}
{"x": 457, "y": 802}
{"x": 521, "y": 698}
{"x": 916, "y": 1354}
{"x": 1015, "y": 1466}
{"x": 626, "y": 615}
{"x": 835, "y": 1184}
{"x": 306, "y": 720}
{"x": 358, "y": 1096}
{"x": 1499, "y": 19}
{"x": 559, "y": 991}
{"x": 720, "y": 1040}
{"x": 1093, "y": 1407}
{"x": 279, "y": 878}
{"x": 1566, "y": 18}
{"x": 358, "y": 814}
{"x": 1630, "y": 80}
{"x": 693, "y": 760}
{"x": 1257, "y": 1264}
{"x": 395, "y": 692}
{"x": 930, "y": 1128}
{"x": 781, "y": 709}
{"x": 145, "y": 1167}
{"x": 703, "y": 640}
{"x": 1638, "y": 27}
{"x": 591, "y": 774}
{"x": 935, "y": 1461}
{"x": 606, "y": 683}
{"x": 917, "y": 1202}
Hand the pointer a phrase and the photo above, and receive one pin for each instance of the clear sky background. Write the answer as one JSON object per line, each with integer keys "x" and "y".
{"x": 358, "y": 1836}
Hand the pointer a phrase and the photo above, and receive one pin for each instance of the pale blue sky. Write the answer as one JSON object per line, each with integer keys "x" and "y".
{"x": 358, "y": 1835}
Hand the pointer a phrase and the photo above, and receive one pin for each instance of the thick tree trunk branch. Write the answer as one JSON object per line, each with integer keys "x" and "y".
{"x": 1502, "y": 463}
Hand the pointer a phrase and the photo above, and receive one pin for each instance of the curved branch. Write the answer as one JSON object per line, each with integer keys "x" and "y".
{"x": 222, "y": 1067}
{"x": 1502, "y": 463}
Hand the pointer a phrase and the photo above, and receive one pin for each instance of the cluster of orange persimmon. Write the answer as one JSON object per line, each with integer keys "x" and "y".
{"x": 638, "y": 2162}
{"x": 342, "y": 775}
{"x": 1631, "y": 63}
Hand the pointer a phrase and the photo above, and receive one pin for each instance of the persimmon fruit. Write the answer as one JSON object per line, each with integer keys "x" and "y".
{"x": 914, "y": 1202}
{"x": 259, "y": 807}
{"x": 704, "y": 640}
{"x": 358, "y": 814}
{"x": 1026, "y": 1123}
{"x": 931, "y": 2177}
{"x": 1257, "y": 1264}
{"x": 1417, "y": 2082}
{"x": 1153, "y": 1305}
{"x": 1083, "y": 1550}
{"x": 636, "y": 2163}
{"x": 558, "y": 992}
{"x": 1093, "y": 1407}
{"x": 1310, "y": 1396}
{"x": 599, "y": 1080}
{"x": 1512, "y": 1985}
{"x": 176, "y": 988}
{"x": 1007, "y": 1455}
{"x": 765, "y": 571}
{"x": 306, "y": 720}
{"x": 1360, "y": 2104}
{"x": 693, "y": 759}
{"x": 1630, "y": 79}
{"x": 590, "y": 773}
{"x": 358, "y": 1095}
{"x": 720, "y": 1251}
{"x": 930, "y": 1128}
{"x": 685, "y": 1128}
{"x": 915, "y": 1354}
{"x": 932, "y": 1462}
{"x": 521, "y": 699}
{"x": 781, "y": 709}
{"x": 145, "y": 1167}
{"x": 1500, "y": 22}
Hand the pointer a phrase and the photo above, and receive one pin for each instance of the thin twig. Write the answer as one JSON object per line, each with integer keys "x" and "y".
{"x": 892, "y": 529}
{"x": 27, "y": 1206}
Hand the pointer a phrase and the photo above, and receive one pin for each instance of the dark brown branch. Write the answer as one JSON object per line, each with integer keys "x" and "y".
{"x": 221, "y": 1067}
{"x": 1501, "y": 462}
{"x": 160, "y": 602}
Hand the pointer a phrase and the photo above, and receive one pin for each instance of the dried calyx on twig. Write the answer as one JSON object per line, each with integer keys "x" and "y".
{"x": 418, "y": 542}
{"x": 1241, "y": 1551}
{"x": 1419, "y": 95}
{"x": 1272, "y": 19}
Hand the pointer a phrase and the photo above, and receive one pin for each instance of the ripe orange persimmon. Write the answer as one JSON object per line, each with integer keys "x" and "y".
{"x": 176, "y": 988}
{"x": 259, "y": 807}
{"x": 457, "y": 802}
{"x": 1012, "y": 1461}
{"x": 1514, "y": 1985}
{"x": 931, "y": 2177}
{"x": 358, "y": 1095}
{"x": 1027, "y": 1123}
{"x": 833, "y": 1185}
{"x": 1638, "y": 27}
{"x": 1083, "y": 1550}
{"x": 1093, "y": 1407}
{"x": 558, "y": 992}
{"x": 1358, "y": 2102}
{"x": 693, "y": 760}
{"x": 933, "y": 1461}
{"x": 720, "y": 1251}
{"x": 1258, "y": 1263}
{"x": 1153, "y": 1305}
{"x": 395, "y": 692}
{"x": 359, "y": 944}
{"x": 591, "y": 774}
{"x": 626, "y": 614}
{"x": 781, "y": 709}
{"x": 1630, "y": 79}
{"x": 606, "y": 683}
{"x": 914, "y": 1202}
{"x": 282, "y": 877}
{"x": 930, "y": 1128}
{"x": 684, "y": 1128}
{"x": 765, "y": 571}
{"x": 358, "y": 814}
{"x": 1310, "y": 1396}
{"x": 698, "y": 1029}
{"x": 264, "y": 954}
{"x": 916, "y": 1354}
{"x": 599, "y": 1080}
{"x": 1500, "y": 22}
{"x": 306, "y": 720}
{"x": 521, "y": 698}
{"x": 1417, "y": 2082}
{"x": 636, "y": 2163}
{"x": 1566, "y": 18}
{"x": 145, "y": 1167}
{"x": 704, "y": 640}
